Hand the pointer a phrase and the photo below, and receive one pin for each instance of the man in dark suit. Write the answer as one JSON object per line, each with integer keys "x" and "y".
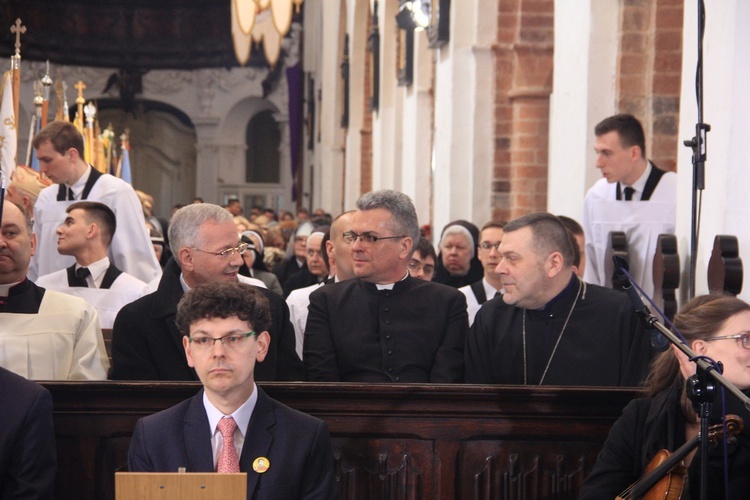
{"x": 27, "y": 439}
{"x": 385, "y": 326}
{"x": 146, "y": 344}
{"x": 231, "y": 425}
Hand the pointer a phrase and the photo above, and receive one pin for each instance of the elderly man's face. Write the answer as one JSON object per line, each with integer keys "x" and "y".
{"x": 17, "y": 245}
{"x": 457, "y": 252}
{"x": 522, "y": 270}
{"x": 202, "y": 265}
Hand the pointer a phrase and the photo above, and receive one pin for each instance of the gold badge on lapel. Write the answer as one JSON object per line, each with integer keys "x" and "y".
{"x": 261, "y": 465}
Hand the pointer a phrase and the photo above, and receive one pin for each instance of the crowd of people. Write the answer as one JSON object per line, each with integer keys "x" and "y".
{"x": 229, "y": 298}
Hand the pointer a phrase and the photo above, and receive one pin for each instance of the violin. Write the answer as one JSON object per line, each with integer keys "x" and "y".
{"x": 664, "y": 477}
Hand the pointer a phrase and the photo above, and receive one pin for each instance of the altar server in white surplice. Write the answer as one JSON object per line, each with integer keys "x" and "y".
{"x": 634, "y": 197}
{"x": 44, "y": 335}
{"x": 86, "y": 234}
{"x": 59, "y": 148}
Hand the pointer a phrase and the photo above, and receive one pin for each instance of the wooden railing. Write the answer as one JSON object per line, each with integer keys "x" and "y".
{"x": 390, "y": 441}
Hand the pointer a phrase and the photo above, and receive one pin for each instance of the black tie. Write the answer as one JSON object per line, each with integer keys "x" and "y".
{"x": 81, "y": 274}
{"x": 497, "y": 294}
{"x": 629, "y": 193}
{"x": 71, "y": 196}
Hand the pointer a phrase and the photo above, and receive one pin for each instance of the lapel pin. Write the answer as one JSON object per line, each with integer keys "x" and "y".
{"x": 261, "y": 465}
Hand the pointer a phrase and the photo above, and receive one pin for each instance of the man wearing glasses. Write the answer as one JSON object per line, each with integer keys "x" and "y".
{"x": 231, "y": 425}
{"x": 490, "y": 285}
{"x": 385, "y": 325}
{"x": 146, "y": 344}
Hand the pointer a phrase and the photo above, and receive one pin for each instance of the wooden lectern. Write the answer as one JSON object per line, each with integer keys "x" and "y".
{"x": 180, "y": 486}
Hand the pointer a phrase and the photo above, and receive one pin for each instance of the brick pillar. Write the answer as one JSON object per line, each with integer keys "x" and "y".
{"x": 649, "y": 75}
{"x": 530, "y": 97}
{"x": 524, "y": 82}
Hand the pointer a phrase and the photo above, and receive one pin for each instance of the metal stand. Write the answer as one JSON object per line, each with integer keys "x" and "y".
{"x": 698, "y": 145}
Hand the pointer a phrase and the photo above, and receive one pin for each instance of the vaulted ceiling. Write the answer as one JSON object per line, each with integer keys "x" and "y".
{"x": 130, "y": 34}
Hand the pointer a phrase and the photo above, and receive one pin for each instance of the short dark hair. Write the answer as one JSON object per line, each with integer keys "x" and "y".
{"x": 499, "y": 224}
{"x": 628, "y": 128}
{"x": 571, "y": 225}
{"x": 575, "y": 229}
{"x": 62, "y": 135}
{"x": 99, "y": 213}
{"x": 425, "y": 248}
{"x": 323, "y": 251}
{"x": 549, "y": 235}
{"x": 223, "y": 299}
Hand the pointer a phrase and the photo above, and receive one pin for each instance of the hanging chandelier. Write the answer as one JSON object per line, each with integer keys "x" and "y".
{"x": 256, "y": 21}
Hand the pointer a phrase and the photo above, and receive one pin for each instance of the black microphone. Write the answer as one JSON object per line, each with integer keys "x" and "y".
{"x": 658, "y": 341}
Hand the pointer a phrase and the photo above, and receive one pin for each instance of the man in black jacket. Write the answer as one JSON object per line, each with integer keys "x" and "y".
{"x": 146, "y": 344}
{"x": 385, "y": 326}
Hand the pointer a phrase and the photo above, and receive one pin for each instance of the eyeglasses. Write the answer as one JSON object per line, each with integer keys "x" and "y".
{"x": 417, "y": 266}
{"x": 487, "y": 246}
{"x": 744, "y": 339}
{"x": 367, "y": 238}
{"x": 233, "y": 341}
{"x": 229, "y": 252}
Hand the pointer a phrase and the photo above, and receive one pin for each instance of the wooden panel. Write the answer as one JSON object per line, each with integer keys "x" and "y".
{"x": 390, "y": 441}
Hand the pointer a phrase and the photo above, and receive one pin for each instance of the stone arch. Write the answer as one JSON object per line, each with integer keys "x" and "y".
{"x": 162, "y": 155}
{"x": 232, "y": 148}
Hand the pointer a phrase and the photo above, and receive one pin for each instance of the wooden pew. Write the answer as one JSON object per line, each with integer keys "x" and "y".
{"x": 390, "y": 441}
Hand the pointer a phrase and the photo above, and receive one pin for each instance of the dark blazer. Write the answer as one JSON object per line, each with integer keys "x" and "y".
{"x": 27, "y": 439}
{"x": 413, "y": 333}
{"x": 297, "y": 446}
{"x": 146, "y": 344}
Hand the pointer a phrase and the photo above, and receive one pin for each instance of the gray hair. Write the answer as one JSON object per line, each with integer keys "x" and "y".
{"x": 549, "y": 235}
{"x": 185, "y": 223}
{"x": 399, "y": 205}
{"x": 459, "y": 229}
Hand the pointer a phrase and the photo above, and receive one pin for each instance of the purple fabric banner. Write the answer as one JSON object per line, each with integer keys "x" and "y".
{"x": 295, "y": 80}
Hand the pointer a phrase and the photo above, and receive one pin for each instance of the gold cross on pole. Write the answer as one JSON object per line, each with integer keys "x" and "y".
{"x": 18, "y": 29}
{"x": 79, "y": 87}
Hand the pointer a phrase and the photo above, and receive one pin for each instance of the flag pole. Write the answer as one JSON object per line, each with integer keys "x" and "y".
{"x": 15, "y": 62}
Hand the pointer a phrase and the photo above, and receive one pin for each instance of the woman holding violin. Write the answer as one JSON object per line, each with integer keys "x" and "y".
{"x": 716, "y": 326}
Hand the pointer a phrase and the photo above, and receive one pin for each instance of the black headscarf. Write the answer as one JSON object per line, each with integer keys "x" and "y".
{"x": 476, "y": 270}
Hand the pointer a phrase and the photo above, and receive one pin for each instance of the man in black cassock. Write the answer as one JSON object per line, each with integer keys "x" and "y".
{"x": 549, "y": 327}
{"x": 385, "y": 325}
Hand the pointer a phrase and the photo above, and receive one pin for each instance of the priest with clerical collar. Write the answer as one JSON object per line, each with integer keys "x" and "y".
{"x": 384, "y": 325}
{"x": 549, "y": 327}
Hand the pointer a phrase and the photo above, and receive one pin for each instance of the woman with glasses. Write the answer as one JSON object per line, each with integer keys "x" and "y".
{"x": 715, "y": 326}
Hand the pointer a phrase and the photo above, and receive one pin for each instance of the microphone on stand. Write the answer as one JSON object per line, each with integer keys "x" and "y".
{"x": 658, "y": 341}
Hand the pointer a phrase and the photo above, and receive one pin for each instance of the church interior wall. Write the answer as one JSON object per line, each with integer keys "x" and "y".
{"x": 497, "y": 122}
{"x": 726, "y": 79}
{"x": 583, "y": 93}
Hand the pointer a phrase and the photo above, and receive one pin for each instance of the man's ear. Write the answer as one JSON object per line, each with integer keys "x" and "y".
{"x": 32, "y": 240}
{"x": 406, "y": 246}
{"x": 555, "y": 264}
{"x": 188, "y": 353}
{"x": 92, "y": 231}
{"x": 263, "y": 343}
{"x": 185, "y": 258}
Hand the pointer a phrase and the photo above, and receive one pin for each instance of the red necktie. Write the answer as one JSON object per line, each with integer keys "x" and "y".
{"x": 228, "y": 459}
